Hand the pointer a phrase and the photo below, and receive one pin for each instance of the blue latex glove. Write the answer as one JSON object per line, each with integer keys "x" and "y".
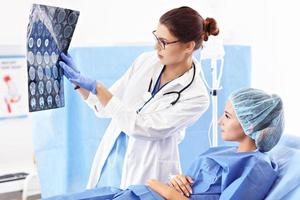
{"x": 73, "y": 74}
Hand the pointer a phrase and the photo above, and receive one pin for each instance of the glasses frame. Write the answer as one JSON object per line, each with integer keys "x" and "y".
{"x": 163, "y": 43}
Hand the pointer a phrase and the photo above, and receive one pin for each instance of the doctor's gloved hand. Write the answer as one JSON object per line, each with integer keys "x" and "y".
{"x": 73, "y": 74}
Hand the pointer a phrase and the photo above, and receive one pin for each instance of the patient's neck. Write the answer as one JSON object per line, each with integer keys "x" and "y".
{"x": 247, "y": 145}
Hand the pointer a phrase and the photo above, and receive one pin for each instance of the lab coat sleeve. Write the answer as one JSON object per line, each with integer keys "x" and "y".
{"x": 159, "y": 124}
{"x": 117, "y": 89}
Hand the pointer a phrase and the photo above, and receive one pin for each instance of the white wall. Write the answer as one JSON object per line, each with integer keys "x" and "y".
{"x": 16, "y": 149}
{"x": 282, "y": 72}
{"x": 269, "y": 26}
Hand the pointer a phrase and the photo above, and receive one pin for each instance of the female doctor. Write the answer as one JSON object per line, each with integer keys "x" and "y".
{"x": 151, "y": 105}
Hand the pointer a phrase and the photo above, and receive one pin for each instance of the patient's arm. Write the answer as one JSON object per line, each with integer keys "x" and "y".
{"x": 164, "y": 190}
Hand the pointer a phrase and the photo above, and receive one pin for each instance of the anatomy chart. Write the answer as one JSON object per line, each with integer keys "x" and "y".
{"x": 13, "y": 89}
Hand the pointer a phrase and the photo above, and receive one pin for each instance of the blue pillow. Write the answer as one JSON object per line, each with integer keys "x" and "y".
{"x": 287, "y": 155}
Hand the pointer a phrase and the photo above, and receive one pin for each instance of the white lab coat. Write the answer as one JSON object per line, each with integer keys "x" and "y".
{"x": 155, "y": 132}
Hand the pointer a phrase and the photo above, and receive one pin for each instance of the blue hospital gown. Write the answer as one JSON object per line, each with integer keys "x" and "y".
{"x": 223, "y": 173}
{"x": 219, "y": 173}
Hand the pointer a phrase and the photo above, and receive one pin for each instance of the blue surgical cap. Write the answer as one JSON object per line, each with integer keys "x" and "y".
{"x": 260, "y": 115}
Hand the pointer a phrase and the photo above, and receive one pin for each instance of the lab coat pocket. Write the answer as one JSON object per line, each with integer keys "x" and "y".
{"x": 167, "y": 168}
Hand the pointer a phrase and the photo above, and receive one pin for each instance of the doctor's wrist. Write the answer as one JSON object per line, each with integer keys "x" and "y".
{"x": 103, "y": 94}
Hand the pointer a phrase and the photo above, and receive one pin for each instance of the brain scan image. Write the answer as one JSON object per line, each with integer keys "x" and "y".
{"x": 49, "y": 33}
{"x": 30, "y": 57}
{"x": 55, "y": 72}
{"x": 32, "y": 87}
{"x": 61, "y": 16}
{"x": 31, "y": 73}
{"x": 38, "y": 42}
{"x": 54, "y": 57}
{"x": 33, "y": 103}
{"x": 40, "y": 72}
{"x": 46, "y": 43}
{"x": 39, "y": 58}
{"x": 56, "y": 86}
{"x": 49, "y": 87}
{"x": 30, "y": 42}
{"x": 57, "y": 100}
{"x": 46, "y": 57}
{"x": 57, "y": 28}
{"x": 48, "y": 72}
{"x": 49, "y": 101}
{"x": 41, "y": 102}
{"x": 68, "y": 31}
{"x": 41, "y": 87}
{"x": 72, "y": 18}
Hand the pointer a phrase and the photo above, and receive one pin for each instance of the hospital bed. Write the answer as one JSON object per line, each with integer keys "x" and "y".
{"x": 287, "y": 155}
{"x": 286, "y": 187}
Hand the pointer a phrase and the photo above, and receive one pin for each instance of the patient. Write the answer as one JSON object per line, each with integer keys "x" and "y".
{"x": 255, "y": 120}
{"x": 252, "y": 118}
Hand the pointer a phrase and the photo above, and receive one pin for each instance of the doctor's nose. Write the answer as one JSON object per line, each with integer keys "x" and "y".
{"x": 157, "y": 46}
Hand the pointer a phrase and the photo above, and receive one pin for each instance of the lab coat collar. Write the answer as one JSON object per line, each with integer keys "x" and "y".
{"x": 186, "y": 77}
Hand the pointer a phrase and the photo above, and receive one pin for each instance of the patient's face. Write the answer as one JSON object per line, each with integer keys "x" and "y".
{"x": 231, "y": 128}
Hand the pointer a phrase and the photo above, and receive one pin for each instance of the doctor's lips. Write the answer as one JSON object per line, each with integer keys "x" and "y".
{"x": 159, "y": 56}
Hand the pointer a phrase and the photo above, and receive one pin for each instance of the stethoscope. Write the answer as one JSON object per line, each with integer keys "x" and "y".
{"x": 178, "y": 93}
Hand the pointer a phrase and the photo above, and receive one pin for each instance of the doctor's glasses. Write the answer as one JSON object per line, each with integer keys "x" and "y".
{"x": 162, "y": 42}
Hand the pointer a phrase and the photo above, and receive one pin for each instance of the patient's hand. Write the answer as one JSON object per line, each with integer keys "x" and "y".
{"x": 165, "y": 191}
{"x": 182, "y": 184}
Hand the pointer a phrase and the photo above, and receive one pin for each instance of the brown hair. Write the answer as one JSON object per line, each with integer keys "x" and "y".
{"x": 187, "y": 25}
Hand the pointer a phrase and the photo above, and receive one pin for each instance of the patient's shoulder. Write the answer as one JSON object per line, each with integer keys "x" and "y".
{"x": 227, "y": 156}
{"x": 221, "y": 150}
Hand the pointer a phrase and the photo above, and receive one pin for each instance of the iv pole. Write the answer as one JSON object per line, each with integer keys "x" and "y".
{"x": 214, "y": 51}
